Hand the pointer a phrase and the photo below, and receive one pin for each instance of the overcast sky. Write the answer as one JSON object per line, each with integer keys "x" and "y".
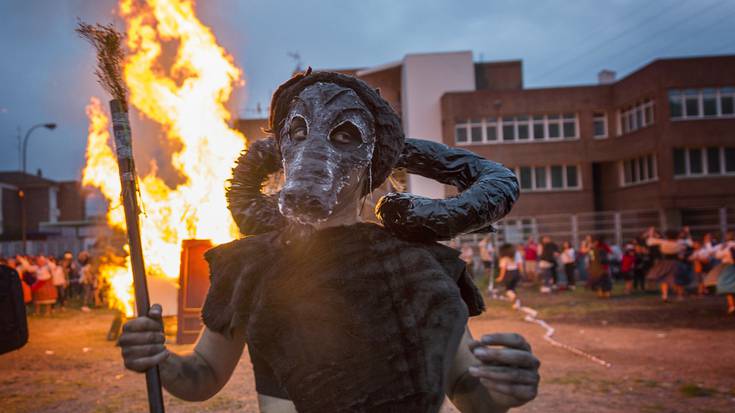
{"x": 46, "y": 70}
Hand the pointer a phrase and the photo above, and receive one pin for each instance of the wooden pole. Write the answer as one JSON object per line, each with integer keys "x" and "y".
{"x": 124, "y": 149}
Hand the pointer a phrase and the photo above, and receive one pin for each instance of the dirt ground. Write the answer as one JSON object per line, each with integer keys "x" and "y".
{"x": 676, "y": 357}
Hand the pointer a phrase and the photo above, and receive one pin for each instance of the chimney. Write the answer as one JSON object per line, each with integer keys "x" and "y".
{"x": 39, "y": 173}
{"x": 605, "y": 77}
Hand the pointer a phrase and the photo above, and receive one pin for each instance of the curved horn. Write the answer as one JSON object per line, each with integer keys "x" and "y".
{"x": 488, "y": 190}
{"x": 253, "y": 211}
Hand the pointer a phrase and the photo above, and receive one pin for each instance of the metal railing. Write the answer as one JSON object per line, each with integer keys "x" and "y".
{"x": 616, "y": 227}
{"x": 52, "y": 247}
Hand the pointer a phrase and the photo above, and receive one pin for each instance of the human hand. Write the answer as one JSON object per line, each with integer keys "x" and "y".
{"x": 509, "y": 370}
{"x": 142, "y": 341}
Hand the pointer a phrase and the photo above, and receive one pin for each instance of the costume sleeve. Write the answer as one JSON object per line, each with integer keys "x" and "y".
{"x": 457, "y": 269}
{"x": 234, "y": 269}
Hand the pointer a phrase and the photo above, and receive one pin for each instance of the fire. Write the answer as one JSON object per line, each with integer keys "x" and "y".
{"x": 187, "y": 98}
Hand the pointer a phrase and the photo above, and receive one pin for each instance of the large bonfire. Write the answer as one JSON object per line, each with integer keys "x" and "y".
{"x": 187, "y": 97}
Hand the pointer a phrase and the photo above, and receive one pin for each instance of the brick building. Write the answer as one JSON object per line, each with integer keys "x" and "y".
{"x": 50, "y": 205}
{"x": 660, "y": 139}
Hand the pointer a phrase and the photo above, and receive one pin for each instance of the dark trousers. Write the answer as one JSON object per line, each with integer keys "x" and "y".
{"x": 60, "y": 295}
{"x": 569, "y": 271}
{"x": 639, "y": 280}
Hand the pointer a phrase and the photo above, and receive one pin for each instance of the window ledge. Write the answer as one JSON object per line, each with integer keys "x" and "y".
{"x": 517, "y": 142}
{"x": 633, "y": 184}
{"x": 713, "y": 117}
{"x": 704, "y": 176}
{"x": 635, "y": 131}
{"x": 547, "y": 191}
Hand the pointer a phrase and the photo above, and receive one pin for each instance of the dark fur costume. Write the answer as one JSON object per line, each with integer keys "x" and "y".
{"x": 361, "y": 318}
{"x": 350, "y": 319}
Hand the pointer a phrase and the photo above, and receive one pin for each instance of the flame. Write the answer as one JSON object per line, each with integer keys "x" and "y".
{"x": 187, "y": 98}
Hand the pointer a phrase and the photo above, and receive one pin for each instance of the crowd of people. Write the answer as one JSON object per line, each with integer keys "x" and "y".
{"x": 49, "y": 282}
{"x": 674, "y": 261}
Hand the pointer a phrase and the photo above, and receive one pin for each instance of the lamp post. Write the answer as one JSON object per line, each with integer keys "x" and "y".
{"x": 21, "y": 192}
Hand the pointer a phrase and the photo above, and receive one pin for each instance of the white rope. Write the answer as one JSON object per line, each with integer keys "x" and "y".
{"x": 531, "y": 317}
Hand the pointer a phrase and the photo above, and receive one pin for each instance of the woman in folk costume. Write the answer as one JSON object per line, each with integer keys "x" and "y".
{"x": 726, "y": 279}
{"x": 341, "y": 315}
{"x": 669, "y": 269}
{"x": 44, "y": 292}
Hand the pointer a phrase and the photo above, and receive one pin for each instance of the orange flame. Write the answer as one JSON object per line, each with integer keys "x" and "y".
{"x": 188, "y": 99}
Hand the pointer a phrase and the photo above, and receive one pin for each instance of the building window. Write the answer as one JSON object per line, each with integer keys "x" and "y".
{"x": 599, "y": 125}
{"x": 491, "y": 129}
{"x": 709, "y": 161}
{"x": 516, "y": 129}
{"x": 638, "y": 170}
{"x": 636, "y": 117}
{"x": 460, "y": 133}
{"x": 702, "y": 103}
{"x": 548, "y": 178}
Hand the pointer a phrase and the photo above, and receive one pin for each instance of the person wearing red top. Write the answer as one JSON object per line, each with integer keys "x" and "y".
{"x": 627, "y": 265}
{"x": 531, "y": 258}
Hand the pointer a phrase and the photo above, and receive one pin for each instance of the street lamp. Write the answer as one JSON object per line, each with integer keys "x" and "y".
{"x": 21, "y": 193}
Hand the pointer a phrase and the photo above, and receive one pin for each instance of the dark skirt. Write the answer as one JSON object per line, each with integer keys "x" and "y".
{"x": 726, "y": 280}
{"x": 627, "y": 275}
{"x": 511, "y": 279}
{"x": 600, "y": 282}
{"x": 666, "y": 271}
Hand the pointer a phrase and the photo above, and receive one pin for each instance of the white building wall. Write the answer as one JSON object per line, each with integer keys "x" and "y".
{"x": 425, "y": 78}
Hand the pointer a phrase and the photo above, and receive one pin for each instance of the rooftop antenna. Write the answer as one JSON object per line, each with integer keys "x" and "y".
{"x": 297, "y": 59}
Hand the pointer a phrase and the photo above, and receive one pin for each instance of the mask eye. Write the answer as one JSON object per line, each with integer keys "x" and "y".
{"x": 346, "y": 134}
{"x": 297, "y": 130}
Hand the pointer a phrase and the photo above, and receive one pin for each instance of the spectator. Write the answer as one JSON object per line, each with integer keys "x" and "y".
{"x": 468, "y": 256}
{"x": 88, "y": 280}
{"x": 642, "y": 265}
{"x": 487, "y": 256}
{"x": 71, "y": 268}
{"x": 44, "y": 293}
{"x": 599, "y": 273}
{"x": 531, "y": 258}
{"x": 509, "y": 274}
{"x": 627, "y": 267}
{"x": 27, "y": 295}
{"x": 568, "y": 259}
{"x": 584, "y": 249}
{"x": 60, "y": 282}
{"x": 520, "y": 253}
{"x": 548, "y": 254}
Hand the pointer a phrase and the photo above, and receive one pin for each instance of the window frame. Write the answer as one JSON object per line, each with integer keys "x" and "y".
{"x": 635, "y": 117}
{"x": 720, "y": 94}
{"x": 517, "y": 123}
{"x": 597, "y": 116}
{"x": 640, "y": 170}
{"x": 704, "y": 155}
{"x": 547, "y": 178}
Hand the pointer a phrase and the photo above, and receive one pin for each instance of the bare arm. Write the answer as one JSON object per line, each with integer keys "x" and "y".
{"x": 196, "y": 376}
{"x": 491, "y": 379}
{"x": 202, "y": 373}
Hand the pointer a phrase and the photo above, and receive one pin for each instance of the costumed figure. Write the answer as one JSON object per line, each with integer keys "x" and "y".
{"x": 341, "y": 315}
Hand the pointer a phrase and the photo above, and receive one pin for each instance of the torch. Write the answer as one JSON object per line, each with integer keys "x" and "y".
{"x": 108, "y": 43}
